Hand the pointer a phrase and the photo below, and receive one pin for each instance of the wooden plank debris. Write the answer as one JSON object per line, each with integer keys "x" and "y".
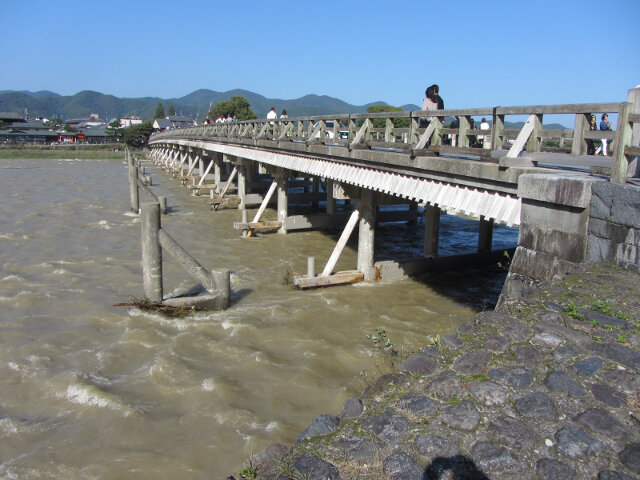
{"x": 338, "y": 278}
{"x": 259, "y": 226}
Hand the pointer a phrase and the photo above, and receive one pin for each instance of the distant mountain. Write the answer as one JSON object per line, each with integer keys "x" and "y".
{"x": 519, "y": 125}
{"x": 82, "y": 104}
{"x": 41, "y": 93}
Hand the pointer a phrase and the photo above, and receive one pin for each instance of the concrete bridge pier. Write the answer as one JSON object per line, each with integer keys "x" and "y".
{"x": 413, "y": 213}
{"x": 251, "y": 173}
{"x": 190, "y": 160}
{"x": 197, "y": 154}
{"x": 485, "y": 235}
{"x": 331, "y": 201}
{"x": 217, "y": 171}
{"x": 366, "y": 234}
{"x": 242, "y": 183}
{"x": 173, "y": 158}
{"x": 282, "y": 179}
{"x": 315, "y": 182}
{"x": 228, "y": 164}
{"x": 431, "y": 230}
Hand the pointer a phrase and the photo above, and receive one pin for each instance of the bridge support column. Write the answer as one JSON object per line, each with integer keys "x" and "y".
{"x": 331, "y": 202}
{"x": 485, "y": 235}
{"x": 190, "y": 160}
{"x": 316, "y": 188}
{"x": 282, "y": 179}
{"x": 217, "y": 177}
{"x": 242, "y": 183}
{"x": 250, "y": 173}
{"x": 413, "y": 213}
{"x": 431, "y": 230}
{"x": 366, "y": 234}
{"x": 196, "y": 154}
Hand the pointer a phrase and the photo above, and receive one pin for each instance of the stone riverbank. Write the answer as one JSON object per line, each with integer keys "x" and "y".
{"x": 546, "y": 387}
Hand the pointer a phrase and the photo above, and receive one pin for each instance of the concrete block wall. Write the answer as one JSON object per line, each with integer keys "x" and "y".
{"x": 614, "y": 225}
{"x": 569, "y": 220}
{"x": 554, "y": 224}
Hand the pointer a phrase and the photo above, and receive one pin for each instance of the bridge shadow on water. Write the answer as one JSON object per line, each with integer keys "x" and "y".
{"x": 477, "y": 288}
{"x": 474, "y": 281}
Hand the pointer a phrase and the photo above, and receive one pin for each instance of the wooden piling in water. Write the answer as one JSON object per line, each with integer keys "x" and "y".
{"x": 134, "y": 194}
{"x": 311, "y": 267}
{"x": 154, "y": 240}
{"x": 151, "y": 252}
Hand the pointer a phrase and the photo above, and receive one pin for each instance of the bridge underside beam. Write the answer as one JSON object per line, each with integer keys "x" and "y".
{"x": 468, "y": 187}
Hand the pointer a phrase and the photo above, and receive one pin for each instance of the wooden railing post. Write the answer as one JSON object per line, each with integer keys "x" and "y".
{"x": 463, "y": 139}
{"x": 633, "y": 98}
{"x": 620, "y": 165}
{"x": 534, "y": 142}
{"x": 388, "y": 131}
{"x": 579, "y": 145}
{"x": 414, "y": 133}
{"x": 352, "y": 128}
{"x": 497, "y": 132}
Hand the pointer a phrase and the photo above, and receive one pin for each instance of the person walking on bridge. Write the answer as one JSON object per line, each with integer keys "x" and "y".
{"x": 432, "y": 101}
{"x": 605, "y": 124}
{"x": 591, "y": 148}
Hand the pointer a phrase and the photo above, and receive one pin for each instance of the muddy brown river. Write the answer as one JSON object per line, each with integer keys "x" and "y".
{"x": 95, "y": 391}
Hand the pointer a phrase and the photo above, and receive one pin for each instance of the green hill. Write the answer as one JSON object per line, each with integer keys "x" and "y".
{"x": 82, "y": 104}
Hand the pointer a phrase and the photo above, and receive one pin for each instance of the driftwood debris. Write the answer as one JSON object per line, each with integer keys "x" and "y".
{"x": 168, "y": 310}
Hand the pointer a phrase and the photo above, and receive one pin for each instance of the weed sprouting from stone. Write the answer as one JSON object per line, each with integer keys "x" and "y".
{"x": 285, "y": 469}
{"x": 505, "y": 263}
{"x": 382, "y": 342}
{"x": 572, "y": 311}
{"x": 604, "y": 306}
{"x": 249, "y": 471}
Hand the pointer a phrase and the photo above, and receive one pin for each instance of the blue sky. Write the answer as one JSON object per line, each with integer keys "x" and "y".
{"x": 480, "y": 53}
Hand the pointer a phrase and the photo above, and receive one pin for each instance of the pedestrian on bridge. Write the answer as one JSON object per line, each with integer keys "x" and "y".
{"x": 591, "y": 148}
{"x": 432, "y": 101}
{"x": 605, "y": 124}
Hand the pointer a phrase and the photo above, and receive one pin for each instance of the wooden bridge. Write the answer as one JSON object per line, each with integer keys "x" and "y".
{"x": 386, "y": 158}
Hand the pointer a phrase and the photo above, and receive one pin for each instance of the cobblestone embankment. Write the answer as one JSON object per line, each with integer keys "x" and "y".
{"x": 548, "y": 387}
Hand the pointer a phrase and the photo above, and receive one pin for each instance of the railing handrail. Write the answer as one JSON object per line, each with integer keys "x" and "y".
{"x": 560, "y": 109}
{"x": 406, "y": 130}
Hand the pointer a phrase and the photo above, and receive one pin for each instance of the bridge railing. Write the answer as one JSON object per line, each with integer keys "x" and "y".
{"x": 421, "y": 133}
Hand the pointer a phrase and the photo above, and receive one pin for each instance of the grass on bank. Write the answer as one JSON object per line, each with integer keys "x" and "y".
{"x": 62, "y": 151}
